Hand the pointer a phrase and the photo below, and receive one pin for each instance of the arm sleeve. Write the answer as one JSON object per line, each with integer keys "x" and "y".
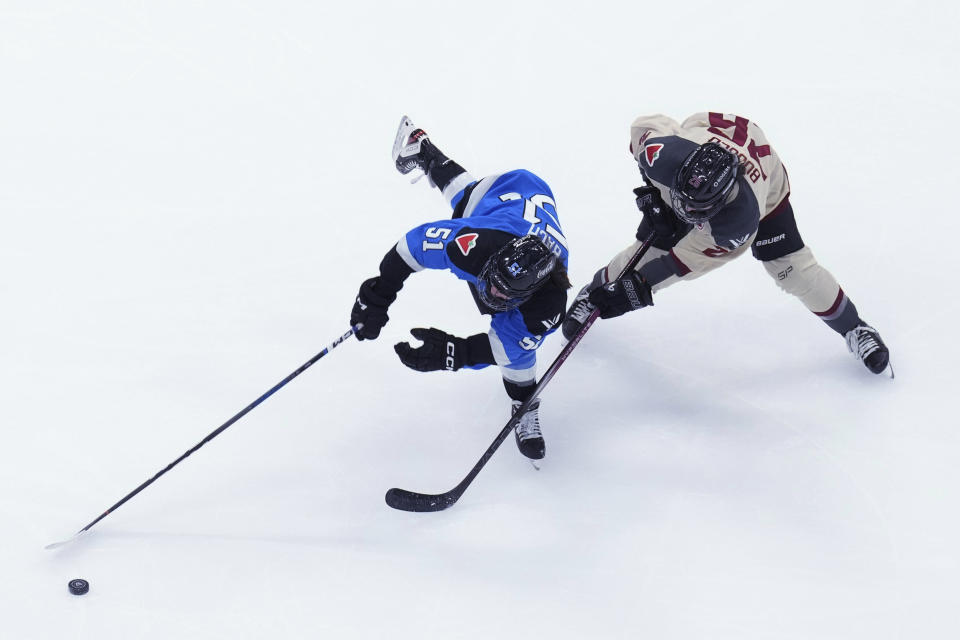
{"x": 646, "y": 126}
{"x": 695, "y": 255}
{"x": 393, "y": 271}
{"x": 424, "y": 247}
{"x": 500, "y": 346}
{"x": 710, "y": 245}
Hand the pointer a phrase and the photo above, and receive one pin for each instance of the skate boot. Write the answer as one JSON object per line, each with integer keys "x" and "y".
{"x": 577, "y": 314}
{"x": 412, "y": 149}
{"x": 529, "y": 439}
{"x": 864, "y": 341}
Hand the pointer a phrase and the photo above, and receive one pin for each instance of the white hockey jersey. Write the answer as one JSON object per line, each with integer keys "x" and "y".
{"x": 660, "y": 145}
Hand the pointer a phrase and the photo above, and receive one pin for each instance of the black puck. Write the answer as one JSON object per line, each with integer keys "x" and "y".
{"x": 78, "y": 586}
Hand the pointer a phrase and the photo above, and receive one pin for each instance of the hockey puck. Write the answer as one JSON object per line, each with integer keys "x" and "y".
{"x": 78, "y": 586}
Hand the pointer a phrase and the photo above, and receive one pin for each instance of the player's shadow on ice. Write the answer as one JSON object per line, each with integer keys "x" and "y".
{"x": 312, "y": 540}
{"x": 618, "y": 388}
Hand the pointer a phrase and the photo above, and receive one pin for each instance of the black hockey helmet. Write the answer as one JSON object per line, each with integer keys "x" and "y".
{"x": 512, "y": 274}
{"x": 703, "y": 183}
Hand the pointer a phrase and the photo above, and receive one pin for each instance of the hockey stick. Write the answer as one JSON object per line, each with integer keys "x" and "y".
{"x": 412, "y": 501}
{"x": 306, "y": 365}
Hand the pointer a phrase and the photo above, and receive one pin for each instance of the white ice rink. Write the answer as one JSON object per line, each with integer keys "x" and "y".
{"x": 192, "y": 192}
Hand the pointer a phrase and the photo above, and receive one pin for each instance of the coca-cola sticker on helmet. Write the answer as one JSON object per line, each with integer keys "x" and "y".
{"x": 466, "y": 242}
{"x": 652, "y": 152}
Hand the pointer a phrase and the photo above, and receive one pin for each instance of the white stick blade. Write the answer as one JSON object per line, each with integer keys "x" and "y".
{"x": 57, "y": 545}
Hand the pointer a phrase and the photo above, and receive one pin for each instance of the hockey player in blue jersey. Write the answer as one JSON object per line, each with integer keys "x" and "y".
{"x": 504, "y": 239}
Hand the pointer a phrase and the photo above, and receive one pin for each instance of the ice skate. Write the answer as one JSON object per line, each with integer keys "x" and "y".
{"x": 412, "y": 149}
{"x": 527, "y": 432}
{"x": 578, "y": 313}
{"x": 865, "y": 343}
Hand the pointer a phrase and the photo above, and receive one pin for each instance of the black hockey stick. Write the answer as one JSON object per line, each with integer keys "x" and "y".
{"x": 412, "y": 501}
{"x": 306, "y": 365}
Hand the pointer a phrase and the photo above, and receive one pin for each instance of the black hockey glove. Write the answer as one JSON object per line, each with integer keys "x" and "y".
{"x": 371, "y": 308}
{"x": 657, "y": 216}
{"x": 442, "y": 351}
{"x": 629, "y": 293}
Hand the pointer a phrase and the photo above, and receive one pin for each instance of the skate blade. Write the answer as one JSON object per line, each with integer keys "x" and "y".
{"x": 401, "y": 136}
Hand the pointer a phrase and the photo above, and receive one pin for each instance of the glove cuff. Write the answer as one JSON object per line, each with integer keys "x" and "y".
{"x": 477, "y": 350}
{"x": 642, "y": 290}
{"x": 645, "y": 190}
{"x": 377, "y": 292}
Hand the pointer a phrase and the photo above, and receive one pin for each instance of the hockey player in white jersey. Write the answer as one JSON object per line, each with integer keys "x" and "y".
{"x": 506, "y": 242}
{"x": 717, "y": 187}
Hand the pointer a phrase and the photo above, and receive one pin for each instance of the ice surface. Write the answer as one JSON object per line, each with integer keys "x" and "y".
{"x": 191, "y": 194}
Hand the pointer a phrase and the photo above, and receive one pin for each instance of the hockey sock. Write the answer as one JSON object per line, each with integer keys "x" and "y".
{"x": 443, "y": 172}
{"x": 842, "y": 315}
{"x": 519, "y": 392}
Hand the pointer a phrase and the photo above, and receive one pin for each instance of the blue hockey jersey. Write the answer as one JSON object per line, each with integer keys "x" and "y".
{"x": 488, "y": 214}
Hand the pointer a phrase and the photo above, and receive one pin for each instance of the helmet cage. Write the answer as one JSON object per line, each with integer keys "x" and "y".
{"x": 703, "y": 183}
{"x": 488, "y": 278}
{"x": 516, "y": 271}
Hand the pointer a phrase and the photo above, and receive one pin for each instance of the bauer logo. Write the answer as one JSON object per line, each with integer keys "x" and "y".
{"x": 514, "y": 269}
{"x": 767, "y": 241}
{"x": 466, "y": 242}
{"x": 652, "y": 152}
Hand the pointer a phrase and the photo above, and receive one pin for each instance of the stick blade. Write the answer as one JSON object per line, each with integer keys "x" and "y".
{"x": 404, "y": 500}
{"x": 61, "y": 543}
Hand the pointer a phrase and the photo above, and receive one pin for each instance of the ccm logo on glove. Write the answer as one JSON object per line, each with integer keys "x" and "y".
{"x": 451, "y": 361}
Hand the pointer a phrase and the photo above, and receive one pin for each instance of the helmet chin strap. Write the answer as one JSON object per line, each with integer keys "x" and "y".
{"x": 734, "y": 192}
